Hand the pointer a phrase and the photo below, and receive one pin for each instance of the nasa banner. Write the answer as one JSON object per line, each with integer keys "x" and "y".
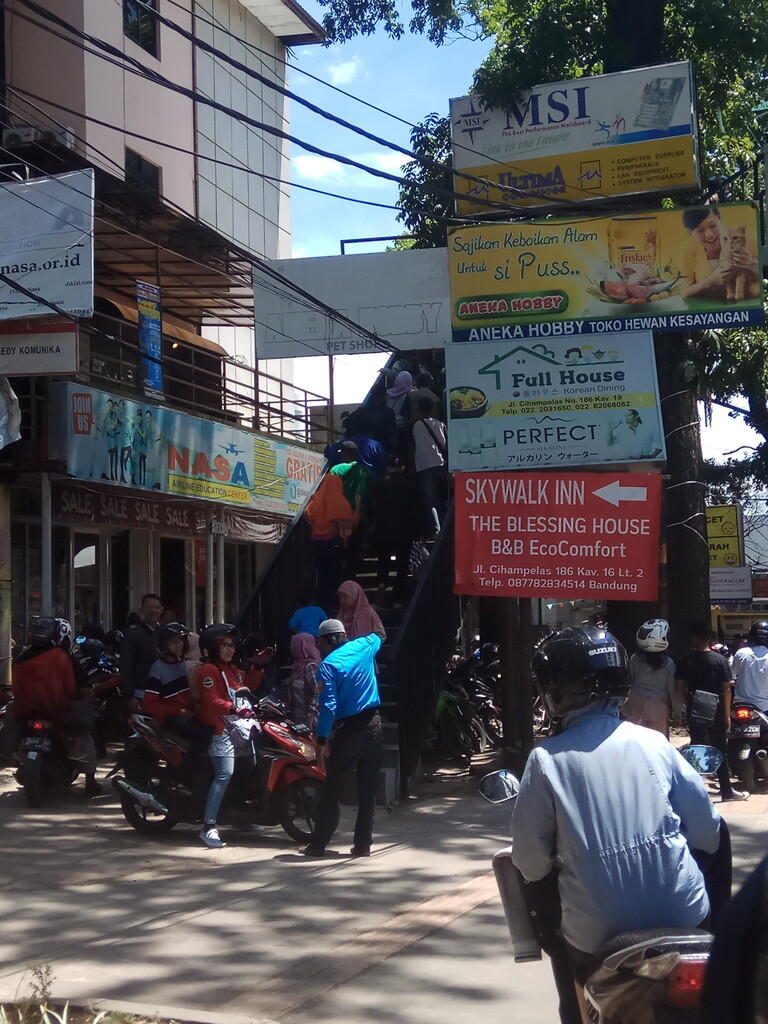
{"x": 140, "y": 445}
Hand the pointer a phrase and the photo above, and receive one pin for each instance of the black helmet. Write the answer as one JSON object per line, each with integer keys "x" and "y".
{"x": 488, "y": 654}
{"x": 89, "y": 653}
{"x": 170, "y": 631}
{"x": 114, "y": 639}
{"x": 758, "y": 633}
{"x": 43, "y": 632}
{"x": 580, "y": 665}
{"x": 211, "y": 635}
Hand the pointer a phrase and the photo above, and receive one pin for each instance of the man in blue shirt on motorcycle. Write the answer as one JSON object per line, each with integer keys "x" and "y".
{"x": 610, "y": 805}
{"x": 349, "y": 708}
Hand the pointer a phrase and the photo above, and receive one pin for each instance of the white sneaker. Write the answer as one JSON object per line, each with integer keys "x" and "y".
{"x": 211, "y": 838}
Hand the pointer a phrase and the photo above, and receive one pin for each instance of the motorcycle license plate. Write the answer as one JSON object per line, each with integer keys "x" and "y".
{"x": 748, "y": 731}
{"x": 37, "y": 744}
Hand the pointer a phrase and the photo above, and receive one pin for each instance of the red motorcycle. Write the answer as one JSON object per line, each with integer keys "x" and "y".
{"x": 276, "y": 780}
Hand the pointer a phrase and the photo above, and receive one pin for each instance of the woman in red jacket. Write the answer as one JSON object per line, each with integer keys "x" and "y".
{"x": 216, "y": 681}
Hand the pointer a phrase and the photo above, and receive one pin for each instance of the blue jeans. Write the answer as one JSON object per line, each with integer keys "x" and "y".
{"x": 223, "y": 769}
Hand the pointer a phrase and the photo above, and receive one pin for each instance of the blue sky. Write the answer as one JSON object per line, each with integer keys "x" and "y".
{"x": 411, "y": 78}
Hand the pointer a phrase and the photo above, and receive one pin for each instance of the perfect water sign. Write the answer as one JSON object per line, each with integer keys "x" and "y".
{"x": 556, "y": 404}
{"x": 586, "y": 139}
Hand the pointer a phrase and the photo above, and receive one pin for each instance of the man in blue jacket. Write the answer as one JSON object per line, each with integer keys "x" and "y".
{"x": 610, "y": 805}
{"x": 348, "y": 732}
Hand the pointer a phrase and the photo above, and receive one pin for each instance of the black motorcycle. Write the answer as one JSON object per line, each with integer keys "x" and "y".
{"x": 748, "y": 744}
{"x": 45, "y": 760}
{"x": 103, "y": 674}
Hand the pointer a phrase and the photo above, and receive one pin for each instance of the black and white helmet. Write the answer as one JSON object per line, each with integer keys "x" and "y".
{"x": 758, "y": 633}
{"x": 580, "y": 665}
{"x": 653, "y": 636}
{"x": 63, "y": 634}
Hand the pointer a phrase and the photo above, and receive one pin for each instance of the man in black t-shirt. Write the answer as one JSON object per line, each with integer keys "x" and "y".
{"x": 704, "y": 669}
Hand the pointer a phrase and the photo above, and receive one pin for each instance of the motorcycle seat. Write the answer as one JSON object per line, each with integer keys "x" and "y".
{"x": 179, "y": 741}
{"x": 627, "y": 939}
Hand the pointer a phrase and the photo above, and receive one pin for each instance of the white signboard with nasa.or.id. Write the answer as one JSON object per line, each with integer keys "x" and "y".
{"x": 46, "y": 246}
{"x": 403, "y": 297}
{"x": 557, "y": 403}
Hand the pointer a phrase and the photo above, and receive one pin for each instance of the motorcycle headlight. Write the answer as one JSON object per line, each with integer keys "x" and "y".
{"x": 306, "y": 750}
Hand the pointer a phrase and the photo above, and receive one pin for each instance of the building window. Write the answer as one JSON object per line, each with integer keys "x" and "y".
{"x": 140, "y": 24}
{"x": 142, "y": 173}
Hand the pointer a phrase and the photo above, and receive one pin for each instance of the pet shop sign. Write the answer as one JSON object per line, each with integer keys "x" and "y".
{"x": 587, "y": 139}
{"x": 666, "y": 270}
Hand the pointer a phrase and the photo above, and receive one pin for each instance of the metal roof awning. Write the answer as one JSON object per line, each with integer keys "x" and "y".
{"x": 170, "y": 326}
{"x": 287, "y": 20}
{"x": 203, "y": 279}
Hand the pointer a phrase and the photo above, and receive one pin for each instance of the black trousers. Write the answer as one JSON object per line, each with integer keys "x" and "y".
{"x": 355, "y": 747}
{"x": 713, "y": 735}
{"x": 329, "y": 556}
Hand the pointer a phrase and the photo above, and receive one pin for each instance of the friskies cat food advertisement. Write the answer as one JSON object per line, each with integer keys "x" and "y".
{"x": 665, "y": 270}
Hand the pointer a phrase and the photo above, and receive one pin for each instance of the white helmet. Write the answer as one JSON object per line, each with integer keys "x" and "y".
{"x": 63, "y": 634}
{"x": 652, "y": 636}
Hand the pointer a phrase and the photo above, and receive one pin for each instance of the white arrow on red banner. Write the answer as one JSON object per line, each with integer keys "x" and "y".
{"x": 614, "y": 493}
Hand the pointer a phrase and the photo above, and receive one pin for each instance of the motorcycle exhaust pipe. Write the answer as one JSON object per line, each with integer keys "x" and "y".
{"x": 138, "y": 796}
{"x": 761, "y": 755}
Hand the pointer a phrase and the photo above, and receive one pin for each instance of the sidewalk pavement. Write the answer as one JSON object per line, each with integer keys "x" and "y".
{"x": 416, "y": 932}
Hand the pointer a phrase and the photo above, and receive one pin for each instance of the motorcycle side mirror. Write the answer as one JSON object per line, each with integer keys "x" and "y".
{"x": 704, "y": 760}
{"x": 499, "y": 787}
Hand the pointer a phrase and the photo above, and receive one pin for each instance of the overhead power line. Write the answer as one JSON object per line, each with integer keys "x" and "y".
{"x": 310, "y": 300}
{"x": 213, "y": 51}
{"x": 220, "y": 27}
{"x": 425, "y": 161}
{"x": 130, "y": 64}
{"x": 24, "y": 94}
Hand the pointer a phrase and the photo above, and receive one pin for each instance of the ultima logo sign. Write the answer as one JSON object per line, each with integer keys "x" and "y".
{"x": 545, "y": 108}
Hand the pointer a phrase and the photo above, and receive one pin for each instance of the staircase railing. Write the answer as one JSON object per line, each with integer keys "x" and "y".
{"x": 278, "y": 592}
{"x": 423, "y": 644}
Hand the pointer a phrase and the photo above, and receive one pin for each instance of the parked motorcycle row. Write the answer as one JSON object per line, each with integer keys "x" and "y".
{"x": 158, "y": 781}
{"x": 467, "y": 716}
{"x": 468, "y": 719}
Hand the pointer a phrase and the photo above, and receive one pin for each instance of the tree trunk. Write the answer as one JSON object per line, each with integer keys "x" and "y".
{"x": 634, "y": 34}
{"x": 635, "y": 37}
{"x": 684, "y": 496}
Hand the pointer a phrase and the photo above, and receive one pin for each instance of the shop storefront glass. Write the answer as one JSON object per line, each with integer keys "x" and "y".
{"x": 85, "y": 572}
